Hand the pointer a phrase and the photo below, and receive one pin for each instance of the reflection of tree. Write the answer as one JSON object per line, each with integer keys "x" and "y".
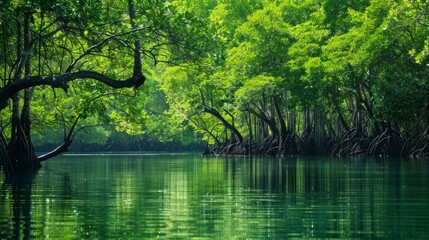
{"x": 20, "y": 202}
{"x": 25, "y": 203}
{"x": 6, "y": 210}
{"x": 271, "y": 175}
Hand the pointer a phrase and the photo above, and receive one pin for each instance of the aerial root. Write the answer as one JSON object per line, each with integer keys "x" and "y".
{"x": 388, "y": 143}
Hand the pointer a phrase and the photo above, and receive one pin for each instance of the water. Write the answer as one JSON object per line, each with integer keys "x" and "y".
{"x": 167, "y": 196}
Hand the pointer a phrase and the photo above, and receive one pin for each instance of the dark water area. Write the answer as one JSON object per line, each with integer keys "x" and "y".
{"x": 185, "y": 196}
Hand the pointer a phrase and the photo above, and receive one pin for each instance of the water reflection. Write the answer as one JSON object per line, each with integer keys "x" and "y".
{"x": 18, "y": 209}
{"x": 185, "y": 196}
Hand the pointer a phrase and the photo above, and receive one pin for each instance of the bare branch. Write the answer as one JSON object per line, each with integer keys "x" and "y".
{"x": 98, "y": 45}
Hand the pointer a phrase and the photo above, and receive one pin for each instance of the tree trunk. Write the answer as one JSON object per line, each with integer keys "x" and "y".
{"x": 283, "y": 129}
{"x": 20, "y": 154}
{"x": 227, "y": 125}
{"x": 342, "y": 120}
{"x": 250, "y": 144}
{"x": 268, "y": 120}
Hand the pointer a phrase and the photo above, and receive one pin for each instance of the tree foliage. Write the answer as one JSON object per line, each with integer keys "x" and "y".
{"x": 338, "y": 77}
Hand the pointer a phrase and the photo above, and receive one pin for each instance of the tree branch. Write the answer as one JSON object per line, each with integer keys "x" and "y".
{"x": 62, "y": 81}
{"x": 98, "y": 45}
{"x": 227, "y": 125}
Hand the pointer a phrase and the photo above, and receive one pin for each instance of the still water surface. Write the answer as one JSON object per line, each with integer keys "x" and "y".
{"x": 184, "y": 196}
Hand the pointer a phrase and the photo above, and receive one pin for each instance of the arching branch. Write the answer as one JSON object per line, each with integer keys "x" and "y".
{"x": 227, "y": 125}
{"x": 62, "y": 81}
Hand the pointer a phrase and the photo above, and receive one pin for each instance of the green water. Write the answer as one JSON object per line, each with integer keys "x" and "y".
{"x": 184, "y": 196}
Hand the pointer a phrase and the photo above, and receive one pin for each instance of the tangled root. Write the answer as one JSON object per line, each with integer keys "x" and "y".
{"x": 418, "y": 146}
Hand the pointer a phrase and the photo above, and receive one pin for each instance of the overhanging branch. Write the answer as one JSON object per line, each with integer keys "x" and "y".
{"x": 62, "y": 81}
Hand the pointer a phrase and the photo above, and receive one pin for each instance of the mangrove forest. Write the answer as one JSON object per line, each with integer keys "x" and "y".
{"x": 230, "y": 77}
